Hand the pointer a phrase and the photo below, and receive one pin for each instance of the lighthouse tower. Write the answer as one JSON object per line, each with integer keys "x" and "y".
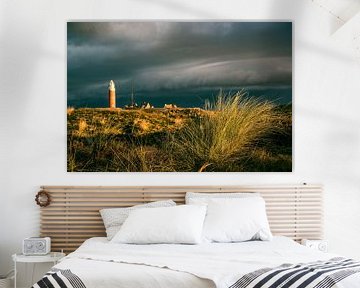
{"x": 112, "y": 95}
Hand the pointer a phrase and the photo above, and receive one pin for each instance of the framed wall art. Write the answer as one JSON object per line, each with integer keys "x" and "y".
{"x": 160, "y": 96}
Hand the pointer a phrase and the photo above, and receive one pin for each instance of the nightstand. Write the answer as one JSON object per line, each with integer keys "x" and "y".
{"x": 320, "y": 245}
{"x": 53, "y": 257}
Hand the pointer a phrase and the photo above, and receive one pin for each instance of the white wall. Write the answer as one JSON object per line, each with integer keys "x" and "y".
{"x": 33, "y": 103}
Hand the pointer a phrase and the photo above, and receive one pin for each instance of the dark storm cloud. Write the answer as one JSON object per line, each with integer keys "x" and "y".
{"x": 166, "y": 55}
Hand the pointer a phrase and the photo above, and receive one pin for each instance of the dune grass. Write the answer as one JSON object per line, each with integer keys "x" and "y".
{"x": 225, "y": 138}
{"x": 235, "y": 133}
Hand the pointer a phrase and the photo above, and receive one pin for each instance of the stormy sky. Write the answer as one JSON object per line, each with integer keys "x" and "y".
{"x": 182, "y": 62}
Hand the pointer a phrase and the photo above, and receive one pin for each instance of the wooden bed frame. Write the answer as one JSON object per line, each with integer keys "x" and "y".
{"x": 73, "y": 215}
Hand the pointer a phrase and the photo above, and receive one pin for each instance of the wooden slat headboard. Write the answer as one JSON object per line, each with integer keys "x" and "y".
{"x": 73, "y": 215}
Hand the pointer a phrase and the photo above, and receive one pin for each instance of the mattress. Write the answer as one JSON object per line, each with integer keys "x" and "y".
{"x": 99, "y": 263}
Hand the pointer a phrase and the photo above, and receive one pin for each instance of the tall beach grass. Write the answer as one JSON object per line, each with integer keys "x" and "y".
{"x": 225, "y": 137}
{"x": 235, "y": 133}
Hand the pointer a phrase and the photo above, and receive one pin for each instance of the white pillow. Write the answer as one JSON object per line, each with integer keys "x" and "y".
{"x": 236, "y": 220}
{"x": 113, "y": 218}
{"x": 204, "y": 198}
{"x": 180, "y": 224}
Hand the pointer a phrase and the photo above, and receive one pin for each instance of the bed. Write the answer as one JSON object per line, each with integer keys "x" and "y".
{"x": 99, "y": 263}
{"x": 295, "y": 211}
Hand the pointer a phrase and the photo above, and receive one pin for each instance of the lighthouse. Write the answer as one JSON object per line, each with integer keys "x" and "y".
{"x": 112, "y": 95}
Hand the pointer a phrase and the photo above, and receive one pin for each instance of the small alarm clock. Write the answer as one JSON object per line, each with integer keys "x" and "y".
{"x": 320, "y": 245}
{"x": 36, "y": 246}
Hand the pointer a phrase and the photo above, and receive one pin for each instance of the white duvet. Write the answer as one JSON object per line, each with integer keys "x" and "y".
{"x": 100, "y": 263}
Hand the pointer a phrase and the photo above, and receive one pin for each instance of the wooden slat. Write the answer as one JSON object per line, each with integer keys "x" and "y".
{"x": 73, "y": 216}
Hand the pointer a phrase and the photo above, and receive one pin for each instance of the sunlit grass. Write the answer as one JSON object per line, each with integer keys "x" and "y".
{"x": 235, "y": 133}
{"x": 70, "y": 110}
{"x": 226, "y": 135}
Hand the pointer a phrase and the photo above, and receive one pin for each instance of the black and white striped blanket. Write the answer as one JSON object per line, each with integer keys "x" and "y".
{"x": 320, "y": 274}
{"x": 59, "y": 278}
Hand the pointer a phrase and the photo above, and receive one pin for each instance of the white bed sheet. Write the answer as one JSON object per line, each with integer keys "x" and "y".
{"x": 101, "y": 274}
{"x": 100, "y": 263}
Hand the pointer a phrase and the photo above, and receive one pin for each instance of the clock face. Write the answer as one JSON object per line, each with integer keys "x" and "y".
{"x": 29, "y": 245}
{"x": 323, "y": 247}
{"x": 40, "y": 245}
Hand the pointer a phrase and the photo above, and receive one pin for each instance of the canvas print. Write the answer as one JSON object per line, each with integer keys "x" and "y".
{"x": 161, "y": 96}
